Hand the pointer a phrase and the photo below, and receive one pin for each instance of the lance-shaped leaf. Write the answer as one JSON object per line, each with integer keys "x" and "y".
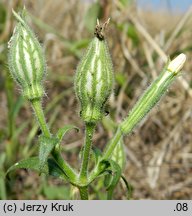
{"x": 97, "y": 154}
{"x": 33, "y": 163}
{"x": 118, "y": 154}
{"x": 62, "y": 131}
{"x": 46, "y": 145}
{"x": 112, "y": 178}
{"x": 128, "y": 187}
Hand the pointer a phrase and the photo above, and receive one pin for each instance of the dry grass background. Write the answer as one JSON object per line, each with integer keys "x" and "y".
{"x": 159, "y": 151}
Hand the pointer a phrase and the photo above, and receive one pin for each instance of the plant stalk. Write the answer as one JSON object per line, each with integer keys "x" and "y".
{"x": 89, "y": 127}
{"x": 83, "y": 193}
{"x": 112, "y": 144}
{"x": 36, "y": 104}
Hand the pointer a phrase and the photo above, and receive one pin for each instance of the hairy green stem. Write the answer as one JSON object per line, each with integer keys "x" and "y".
{"x": 36, "y": 104}
{"x": 83, "y": 193}
{"x": 83, "y": 177}
{"x": 89, "y": 127}
{"x": 112, "y": 144}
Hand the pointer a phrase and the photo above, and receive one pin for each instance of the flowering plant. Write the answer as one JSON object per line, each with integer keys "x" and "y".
{"x": 93, "y": 85}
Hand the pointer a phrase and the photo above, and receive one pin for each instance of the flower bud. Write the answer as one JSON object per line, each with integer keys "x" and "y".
{"x": 153, "y": 94}
{"x": 26, "y": 59}
{"x": 176, "y": 64}
{"x": 94, "y": 77}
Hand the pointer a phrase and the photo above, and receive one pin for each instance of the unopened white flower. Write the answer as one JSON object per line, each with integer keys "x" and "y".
{"x": 177, "y": 63}
{"x": 153, "y": 94}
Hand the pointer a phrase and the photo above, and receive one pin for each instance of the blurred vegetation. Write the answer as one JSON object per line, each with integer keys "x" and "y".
{"x": 158, "y": 153}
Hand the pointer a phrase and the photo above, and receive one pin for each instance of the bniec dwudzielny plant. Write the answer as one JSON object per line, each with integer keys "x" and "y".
{"x": 94, "y": 81}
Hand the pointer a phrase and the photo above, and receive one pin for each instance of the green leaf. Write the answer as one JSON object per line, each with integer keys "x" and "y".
{"x": 29, "y": 163}
{"x": 113, "y": 178}
{"x": 97, "y": 154}
{"x": 55, "y": 170}
{"x": 103, "y": 166}
{"x": 128, "y": 187}
{"x": 62, "y": 131}
{"x": 118, "y": 154}
{"x": 33, "y": 163}
{"x": 46, "y": 146}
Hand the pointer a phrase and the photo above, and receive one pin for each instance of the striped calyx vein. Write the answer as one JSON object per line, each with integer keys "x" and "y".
{"x": 94, "y": 80}
{"x": 26, "y": 60}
